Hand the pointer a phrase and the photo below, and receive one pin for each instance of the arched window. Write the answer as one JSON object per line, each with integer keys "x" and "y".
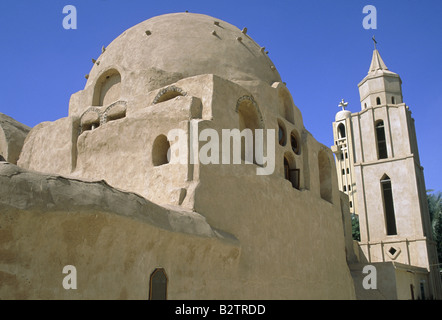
{"x": 387, "y": 197}
{"x": 286, "y": 106}
{"x": 282, "y": 137}
{"x": 249, "y": 121}
{"x": 158, "y": 285}
{"x": 341, "y": 131}
{"x": 115, "y": 111}
{"x": 90, "y": 120}
{"x": 168, "y": 93}
{"x": 290, "y": 171}
{"x": 380, "y": 140}
{"x": 325, "y": 179}
{"x": 160, "y": 151}
{"x": 393, "y": 101}
{"x": 294, "y": 141}
{"x": 107, "y": 89}
{"x": 378, "y": 101}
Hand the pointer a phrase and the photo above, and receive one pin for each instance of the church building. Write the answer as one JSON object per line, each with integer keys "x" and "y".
{"x": 378, "y": 167}
{"x": 93, "y": 207}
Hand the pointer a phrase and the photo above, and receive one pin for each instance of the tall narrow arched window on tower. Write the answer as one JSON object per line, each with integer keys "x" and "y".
{"x": 341, "y": 131}
{"x": 380, "y": 140}
{"x": 387, "y": 197}
{"x": 378, "y": 101}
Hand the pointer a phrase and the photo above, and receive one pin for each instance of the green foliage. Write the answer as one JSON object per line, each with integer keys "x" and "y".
{"x": 355, "y": 227}
{"x": 435, "y": 209}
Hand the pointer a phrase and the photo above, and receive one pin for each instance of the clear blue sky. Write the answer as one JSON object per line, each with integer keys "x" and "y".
{"x": 320, "y": 49}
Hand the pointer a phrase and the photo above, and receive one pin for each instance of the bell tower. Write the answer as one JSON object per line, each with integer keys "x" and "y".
{"x": 377, "y": 157}
{"x": 380, "y": 86}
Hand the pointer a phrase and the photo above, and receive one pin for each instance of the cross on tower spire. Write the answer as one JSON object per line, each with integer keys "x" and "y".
{"x": 343, "y": 105}
{"x": 375, "y": 42}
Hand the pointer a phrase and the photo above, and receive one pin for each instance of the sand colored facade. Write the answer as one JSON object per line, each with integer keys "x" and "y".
{"x": 100, "y": 190}
{"x": 97, "y": 190}
{"x": 379, "y": 169}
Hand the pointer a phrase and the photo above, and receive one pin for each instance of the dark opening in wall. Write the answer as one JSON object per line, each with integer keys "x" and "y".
{"x": 290, "y": 172}
{"x": 378, "y": 101}
{"x": 158, "y": 285}
{"x": 381, "y": 141}
{"x": 294, "y": 141}
{"x": 387, "y": 195}
{"x": 282, "y": 137}
{"x": 341, "y": 131}
{"x": 160, "y": 151}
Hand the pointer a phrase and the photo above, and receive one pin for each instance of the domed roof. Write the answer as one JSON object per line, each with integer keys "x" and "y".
{"x": 343, "y": 114}
{"x": 185, "y": 45}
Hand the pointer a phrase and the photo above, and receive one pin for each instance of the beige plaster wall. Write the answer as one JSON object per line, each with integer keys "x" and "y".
{"x": 291, "y": 241}
{"x": 403, "y": 183}
{"x": 51, "y": 147}
{"x": 116, "y": 239}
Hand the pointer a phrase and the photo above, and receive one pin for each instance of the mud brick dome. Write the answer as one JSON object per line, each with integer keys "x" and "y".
{"x": 171, "y": 47}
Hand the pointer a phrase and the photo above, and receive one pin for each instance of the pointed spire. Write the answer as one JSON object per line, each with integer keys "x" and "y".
{"x": 376, "y": 62}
